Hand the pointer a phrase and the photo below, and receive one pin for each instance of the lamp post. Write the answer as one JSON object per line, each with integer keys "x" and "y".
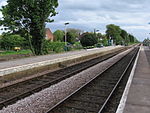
{"x": 95, "y": 30}
{"x": 66, "y": 33}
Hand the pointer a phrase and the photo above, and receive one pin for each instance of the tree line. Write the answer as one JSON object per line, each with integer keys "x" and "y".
{"x": 114, "y": 36}
{"x": 119, "y": 36}
{"x": 25, "y": 22}
{"x": 146, "y": 42}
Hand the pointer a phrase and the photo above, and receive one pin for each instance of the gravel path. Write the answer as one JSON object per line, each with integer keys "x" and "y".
{"x": 41, "y": 101}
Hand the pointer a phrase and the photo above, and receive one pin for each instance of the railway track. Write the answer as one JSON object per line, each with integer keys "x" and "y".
{"x": 15, "y": 92}
{"x": 94, "y": 96}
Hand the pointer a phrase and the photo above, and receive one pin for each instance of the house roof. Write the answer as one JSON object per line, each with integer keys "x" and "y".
{"x": 49, "y": 34}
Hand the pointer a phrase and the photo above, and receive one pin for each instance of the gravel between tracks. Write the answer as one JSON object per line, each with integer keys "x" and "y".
{"x": 42, "y": 101}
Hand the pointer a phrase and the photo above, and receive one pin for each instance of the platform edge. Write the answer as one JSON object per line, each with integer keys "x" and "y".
{"x": 123, "y": 100}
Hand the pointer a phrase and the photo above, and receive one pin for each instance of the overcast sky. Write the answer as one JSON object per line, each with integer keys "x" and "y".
{"x": 131, "y": 15}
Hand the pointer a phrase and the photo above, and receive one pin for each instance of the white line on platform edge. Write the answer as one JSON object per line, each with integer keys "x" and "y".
{"x": 10, "y": 70}
{"x": 122, "y": 103}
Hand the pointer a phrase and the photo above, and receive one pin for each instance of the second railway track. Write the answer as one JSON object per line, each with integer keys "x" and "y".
{"x": 15, "y": 92}
{"x": 95, "y": 95}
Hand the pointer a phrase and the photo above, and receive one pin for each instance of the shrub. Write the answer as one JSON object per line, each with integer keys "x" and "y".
{"x": 77, "y": 45}
{"x": 105, "y": 42}
{"x": 53, "y": 47}
{"x": 9, "y": 42}
{"x": 71, "y": 37}
{"x": 88, "y": 39}
{"x": 146, "y": 42}
{"x": 59, "y": 35}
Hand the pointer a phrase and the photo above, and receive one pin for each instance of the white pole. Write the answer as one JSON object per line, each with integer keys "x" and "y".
{"x": 65, "y": 35}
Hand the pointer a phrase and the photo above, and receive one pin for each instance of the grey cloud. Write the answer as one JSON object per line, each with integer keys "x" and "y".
{"x": 2, "y": 2}
{"x": 90, "y": 14}
{"x": 105, "y": 5}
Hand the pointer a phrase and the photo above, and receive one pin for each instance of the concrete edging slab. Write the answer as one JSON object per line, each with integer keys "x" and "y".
{"x": 123, "y": 100}
{"x": 16, "y": 69}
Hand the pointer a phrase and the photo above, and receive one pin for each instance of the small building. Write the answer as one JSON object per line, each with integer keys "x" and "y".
{"x": 49, "y": 35}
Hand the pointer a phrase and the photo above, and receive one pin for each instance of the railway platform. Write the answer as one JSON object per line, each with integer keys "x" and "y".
{"x": 24, "y": 64}
{"x": 136, "y": 97}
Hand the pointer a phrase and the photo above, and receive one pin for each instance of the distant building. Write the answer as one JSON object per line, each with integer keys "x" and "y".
{"x": 49, "y": 35}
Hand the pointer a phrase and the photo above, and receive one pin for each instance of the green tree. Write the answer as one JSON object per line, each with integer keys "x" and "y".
{"x": 105, "y": 42}
{"x": 8, "y": 42}
{"x": 119, "y": 40}
{"x": 125, "y": 36}
{"x": 146, "y": 42}
{"x": 59, "y": 35}
{"x": 71, "y": 37}
{"x": 99, "y": 36}
{"x": 1, "y": 41}
{"x": 88, "y": 39}
{"x": 76, "y": 32}
{"x": 29, "y": 16}
{"x": 113, "y": 32}
{"x": 131, "y": 38}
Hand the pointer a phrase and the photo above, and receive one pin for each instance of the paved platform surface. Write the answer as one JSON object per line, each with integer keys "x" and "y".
{"x": 21, "y": 65}
{"x": 30, "y": 60}
{"x": 138, "y": 100}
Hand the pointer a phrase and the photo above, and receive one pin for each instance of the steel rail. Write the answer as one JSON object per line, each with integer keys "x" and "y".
{"x": 115, "y": 87}
{"x": 76, "y": 91}
{"x": 22, "y": 95}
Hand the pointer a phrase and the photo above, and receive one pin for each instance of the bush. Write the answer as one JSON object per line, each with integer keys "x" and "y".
{"x": 59, "y": 35}
{"x": 71, "y": 37}
{"x": 105, "y": 42}
{"x": 9, "y": 42}
{"x": 88, "y": 39}
{"x": 146, "y": 42}
{"x": 77, "y": 45}
{"x": 53, "y": 47}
